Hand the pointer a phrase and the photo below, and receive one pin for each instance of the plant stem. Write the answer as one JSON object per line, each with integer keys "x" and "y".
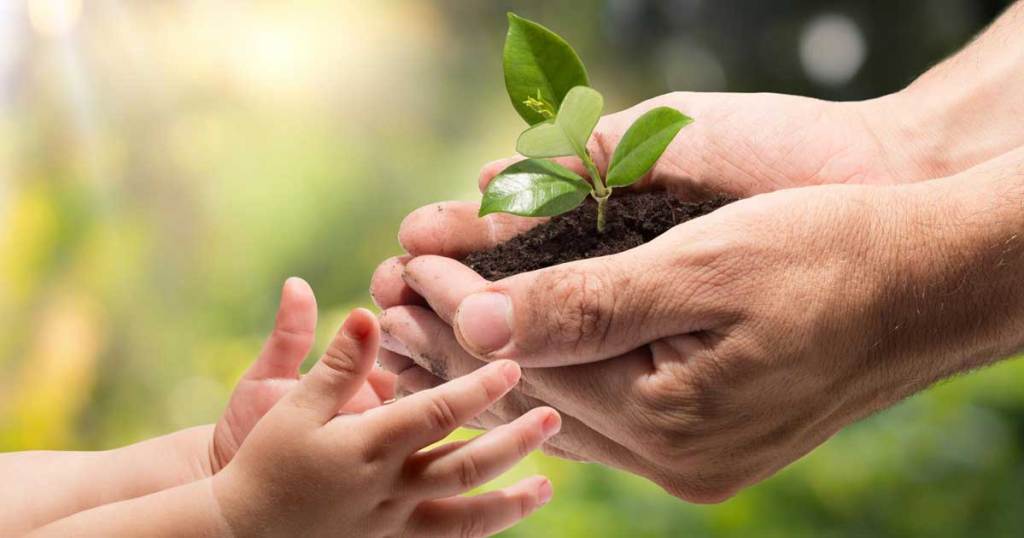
{"x": 601, "y": 192}
{"x": 601, "y": 212}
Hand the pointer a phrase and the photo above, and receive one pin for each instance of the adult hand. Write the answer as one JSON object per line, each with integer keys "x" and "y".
{"x": 741, "y": 144}
{"x": 741, "y": 340}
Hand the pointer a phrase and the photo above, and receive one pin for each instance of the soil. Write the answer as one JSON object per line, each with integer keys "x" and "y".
{"x": 633, "y": 218}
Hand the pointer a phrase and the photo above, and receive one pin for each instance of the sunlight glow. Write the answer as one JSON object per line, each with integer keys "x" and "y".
{"x": 54, "y": 18}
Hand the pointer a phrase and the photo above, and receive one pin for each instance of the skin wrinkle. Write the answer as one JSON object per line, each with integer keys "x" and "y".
{"x": 827, "y": 303}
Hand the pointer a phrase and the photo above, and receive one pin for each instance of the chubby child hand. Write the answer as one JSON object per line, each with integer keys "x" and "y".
{"x": 276, "y": 371}
{"x": 305, "y": 469}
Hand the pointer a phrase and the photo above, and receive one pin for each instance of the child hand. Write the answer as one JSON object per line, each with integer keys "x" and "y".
{"x": 276, "y": 371}
{"x": 305, "y": 470}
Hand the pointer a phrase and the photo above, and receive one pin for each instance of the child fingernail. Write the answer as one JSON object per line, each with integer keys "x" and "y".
{"x": 358, "y": 325}
{"x": 545, "y": 492}
{"x": 552, "y": 423}
{"x": 511, "y": 372}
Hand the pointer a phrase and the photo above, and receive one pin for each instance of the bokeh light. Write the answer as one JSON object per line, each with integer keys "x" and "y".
{"x": 164, "y": 166}
{"x": 832, "y": 49}
{"x": 54, "y": 18}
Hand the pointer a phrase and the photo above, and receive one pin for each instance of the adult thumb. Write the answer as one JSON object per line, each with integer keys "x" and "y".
{"x": 573, "y": 313}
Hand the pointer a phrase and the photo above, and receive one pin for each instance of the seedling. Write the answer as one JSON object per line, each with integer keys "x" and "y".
{"x": 549, "y": 88}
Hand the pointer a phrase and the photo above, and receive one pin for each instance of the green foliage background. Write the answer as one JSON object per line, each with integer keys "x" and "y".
{"x": 164, "y": 166}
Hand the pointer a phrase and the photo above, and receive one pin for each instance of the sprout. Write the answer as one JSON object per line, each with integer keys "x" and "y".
{"x": 549, "y": 88}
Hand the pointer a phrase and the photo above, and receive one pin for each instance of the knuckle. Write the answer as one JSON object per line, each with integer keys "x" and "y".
{"x": 339, "y": 362}
{"x": 468, "y": 473}
{"x": 492, "y": 387}
{"x": 672, "y": 446}
{"x": 440, "y": 416}
{"x": 674, "y": 420}
{"x": 582, "y": 305}
{"x": 525, "y": 505}
{"x": 701, "y": 490}
{"x": 524, "y": 443}
{"x": 473, "y": 526}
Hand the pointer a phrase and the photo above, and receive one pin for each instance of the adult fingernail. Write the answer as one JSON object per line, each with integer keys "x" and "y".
{"x": 545, "y": 492}
{"x": 484, "y": 322}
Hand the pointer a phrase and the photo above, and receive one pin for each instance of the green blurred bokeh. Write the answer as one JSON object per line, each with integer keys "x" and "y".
{"x": 164, "y": 166}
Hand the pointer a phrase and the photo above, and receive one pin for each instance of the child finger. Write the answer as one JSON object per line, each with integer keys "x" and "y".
{"x": 293, "y": 334}
{"x": 481, "y": 515}
{"x": 342, "y": 370}
{"x": 418, "y": 420}
{"x": 456, "y": 471}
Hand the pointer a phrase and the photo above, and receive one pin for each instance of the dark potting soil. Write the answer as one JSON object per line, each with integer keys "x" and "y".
{"x": 633, "y": 218}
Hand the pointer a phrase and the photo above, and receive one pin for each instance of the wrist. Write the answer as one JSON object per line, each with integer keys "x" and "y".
{"x": 184, "y": 457}
{"x": 941, "y": 124}
{"x": 187, "y": 510}
{"x": 958, "y": 256}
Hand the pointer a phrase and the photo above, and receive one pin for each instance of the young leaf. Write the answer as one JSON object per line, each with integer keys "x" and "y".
{"x": 578, "y": 115}
{"x": 534, "y": 188}
{"x": 643, "y": 144}
{"x": 544, "y": 140}
{"x": 540, "y": 68}
{"x": 568, "y": 133}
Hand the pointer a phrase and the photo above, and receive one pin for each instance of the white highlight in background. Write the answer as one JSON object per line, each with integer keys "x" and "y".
{"x": 832, "y": 49}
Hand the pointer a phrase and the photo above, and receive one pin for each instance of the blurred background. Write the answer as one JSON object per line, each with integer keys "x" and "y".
{"x": 165, "y": 165}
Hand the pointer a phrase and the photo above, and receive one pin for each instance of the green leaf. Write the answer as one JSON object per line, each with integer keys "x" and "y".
{"x": 568, "y": 133}
{"x": 578, "y": 115}
{"x": 540, "y": 68}
{"x": 643, "y": 144}
{"x": 544, "y": 140}
{"x": 534, "y": 188}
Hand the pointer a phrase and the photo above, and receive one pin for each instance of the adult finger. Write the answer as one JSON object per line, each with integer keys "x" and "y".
{"x": 594, "y": 392}
{"x": 577, "y": 312}
{"x": 443, "y": 282}
{"x": 342, "y": 370}
{"x": 444, "y": 472}
{"x": 426, "y": 417}
{"x": 293, "y": 334}
{"x": 481, "y": 515}
{"x": 597, "y": 392}
{"x": 364, "y": 398}
{"x": 391, "y": 360}
{"x": 383, "y": 384}
{"x": 453, "y": 229}
{"x": 378, "y": 389}
{"x": 387, "y": 288}
{"x": 693, "y": 166}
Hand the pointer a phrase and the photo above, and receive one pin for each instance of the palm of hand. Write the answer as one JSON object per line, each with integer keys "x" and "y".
{"x": 251, "y": 399}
